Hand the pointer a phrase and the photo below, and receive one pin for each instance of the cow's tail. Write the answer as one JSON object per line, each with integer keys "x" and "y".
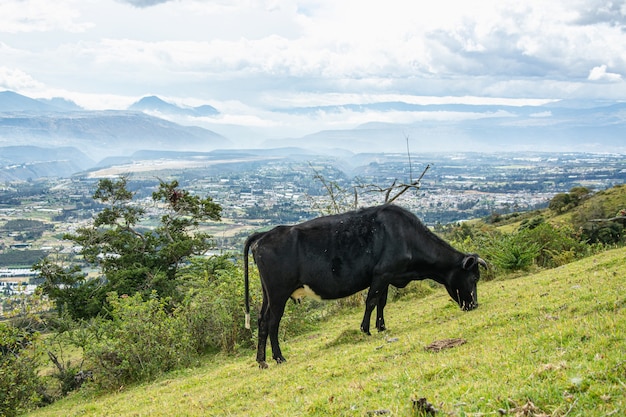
{"x": 251, "y": 239}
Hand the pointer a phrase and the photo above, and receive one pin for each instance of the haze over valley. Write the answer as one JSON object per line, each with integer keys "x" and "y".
{"x": 58, "y": 138}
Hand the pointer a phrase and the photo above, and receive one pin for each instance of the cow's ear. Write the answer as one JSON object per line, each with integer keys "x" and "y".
{"x": 469, "y": 262}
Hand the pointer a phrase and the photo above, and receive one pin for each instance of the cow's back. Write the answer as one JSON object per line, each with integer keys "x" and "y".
{"x": 334, "y": 255}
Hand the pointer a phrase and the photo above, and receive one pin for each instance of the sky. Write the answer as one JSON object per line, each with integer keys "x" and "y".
{"x": 250, "y": 58}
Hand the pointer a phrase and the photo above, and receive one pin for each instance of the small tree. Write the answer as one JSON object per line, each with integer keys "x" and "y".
{"x": 563, "y": 202}
{"x": 579, "y": 194}
{"x": 560, "y": 202}
{"x": 132, "y": 259}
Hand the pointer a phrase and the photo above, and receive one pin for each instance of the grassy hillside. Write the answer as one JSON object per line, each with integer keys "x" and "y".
{"x": 553, "y": 343}
{"x": 603, "y": 204}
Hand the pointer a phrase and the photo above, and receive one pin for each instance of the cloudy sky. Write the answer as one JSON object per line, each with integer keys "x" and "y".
{"x": 249, "y": 57}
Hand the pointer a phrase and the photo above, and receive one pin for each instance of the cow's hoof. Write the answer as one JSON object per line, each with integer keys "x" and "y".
{"x": 382, "y": 328}
{"x": 280, "y": 360}
{"x": 263, "y": 365}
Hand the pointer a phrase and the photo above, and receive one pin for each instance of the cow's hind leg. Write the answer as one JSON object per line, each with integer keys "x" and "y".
{"x": 275, "y": 314}
{"x": 370, "y": 304}
{"x": 382, "y": 302}
{"x": 263, "y": 323}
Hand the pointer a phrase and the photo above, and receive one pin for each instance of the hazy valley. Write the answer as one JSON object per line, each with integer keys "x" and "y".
{"x": 57, "y": 138}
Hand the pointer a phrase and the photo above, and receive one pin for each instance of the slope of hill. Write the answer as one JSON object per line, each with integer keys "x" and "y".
{"x": 23, "y": 162}
{"x": 550, "y": 343}
{"x": 605, "y": 203}
{"x": 600, "y": 205}
{"x": 12, "y": 102}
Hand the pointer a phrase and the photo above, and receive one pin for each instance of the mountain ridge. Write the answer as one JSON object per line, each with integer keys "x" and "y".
{"x": 104, "y": 133}
{"x": 158, "y": 105}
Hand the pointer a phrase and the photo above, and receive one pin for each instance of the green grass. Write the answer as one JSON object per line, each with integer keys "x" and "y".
{"x": 552, "y": 343}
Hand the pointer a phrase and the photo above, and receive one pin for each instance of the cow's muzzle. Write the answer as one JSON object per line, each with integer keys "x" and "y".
{"x": 469, "y": 306}
{"x": 465, "y": 304}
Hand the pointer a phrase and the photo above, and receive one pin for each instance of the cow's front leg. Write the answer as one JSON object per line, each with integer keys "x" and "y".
{"x": 365, "y": 324}
{"x": 382, "y": 301}
{"x": 370, "y": 303}
{"x": 276, "y": 313}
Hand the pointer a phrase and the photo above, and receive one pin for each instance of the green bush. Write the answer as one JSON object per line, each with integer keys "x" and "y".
{"x": 213, "y": 307}
{"x": 531, "y": 223}
{"x": 563, "y": 202}
{"x": 147, "y": 337}
{"x": 143, "y": 338}
{"x": 512, "y": 253}
{"x": 141, "y": 341}
{"x": 606, "y": 233}
{"x": 20, "y": 386}
{"x": 470, "y": 239}
{"x": 536, "y": 242}
{"x": 557, "y": 245}
{"x": 214, "y": 319}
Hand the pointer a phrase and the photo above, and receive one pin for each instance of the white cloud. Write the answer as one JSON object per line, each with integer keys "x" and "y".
{"x": 15, "y": 79}
{"x": 40, "y": 16}
{"x": 599, "y": 73}
{"x": 278, "y": 53}
{"x": 143, "y": 3}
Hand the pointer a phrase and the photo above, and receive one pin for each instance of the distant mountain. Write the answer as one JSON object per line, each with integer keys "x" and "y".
{"x": 56, "y": 137}
{"x": 105, "y": 133}
{"x": 156, "y": 105}
{"x": 61, "y": 103}
{"x": 28, "y": 154}
{"x": 205, "y": 110}
{"x": 571, "y": 127}
{"x": 10, "y": 102}
{"x": 24, "y": 162}
{"x": 13, "y": 102}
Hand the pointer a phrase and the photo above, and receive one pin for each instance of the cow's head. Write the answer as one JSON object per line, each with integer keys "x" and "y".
{"x": 462, "y": 284}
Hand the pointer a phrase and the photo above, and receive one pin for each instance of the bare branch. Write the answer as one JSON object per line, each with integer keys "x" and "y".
{"x": 416, "y": 185}
{"x": 619, "y": 219}
{"x": 408, "y": 152}
{"x": 339, "y": 197}
{"x": 389, "y": 190}
{"x": 370, "y": 188}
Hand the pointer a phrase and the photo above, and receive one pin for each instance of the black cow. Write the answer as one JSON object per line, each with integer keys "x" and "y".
{"x": 336, "y": 256}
